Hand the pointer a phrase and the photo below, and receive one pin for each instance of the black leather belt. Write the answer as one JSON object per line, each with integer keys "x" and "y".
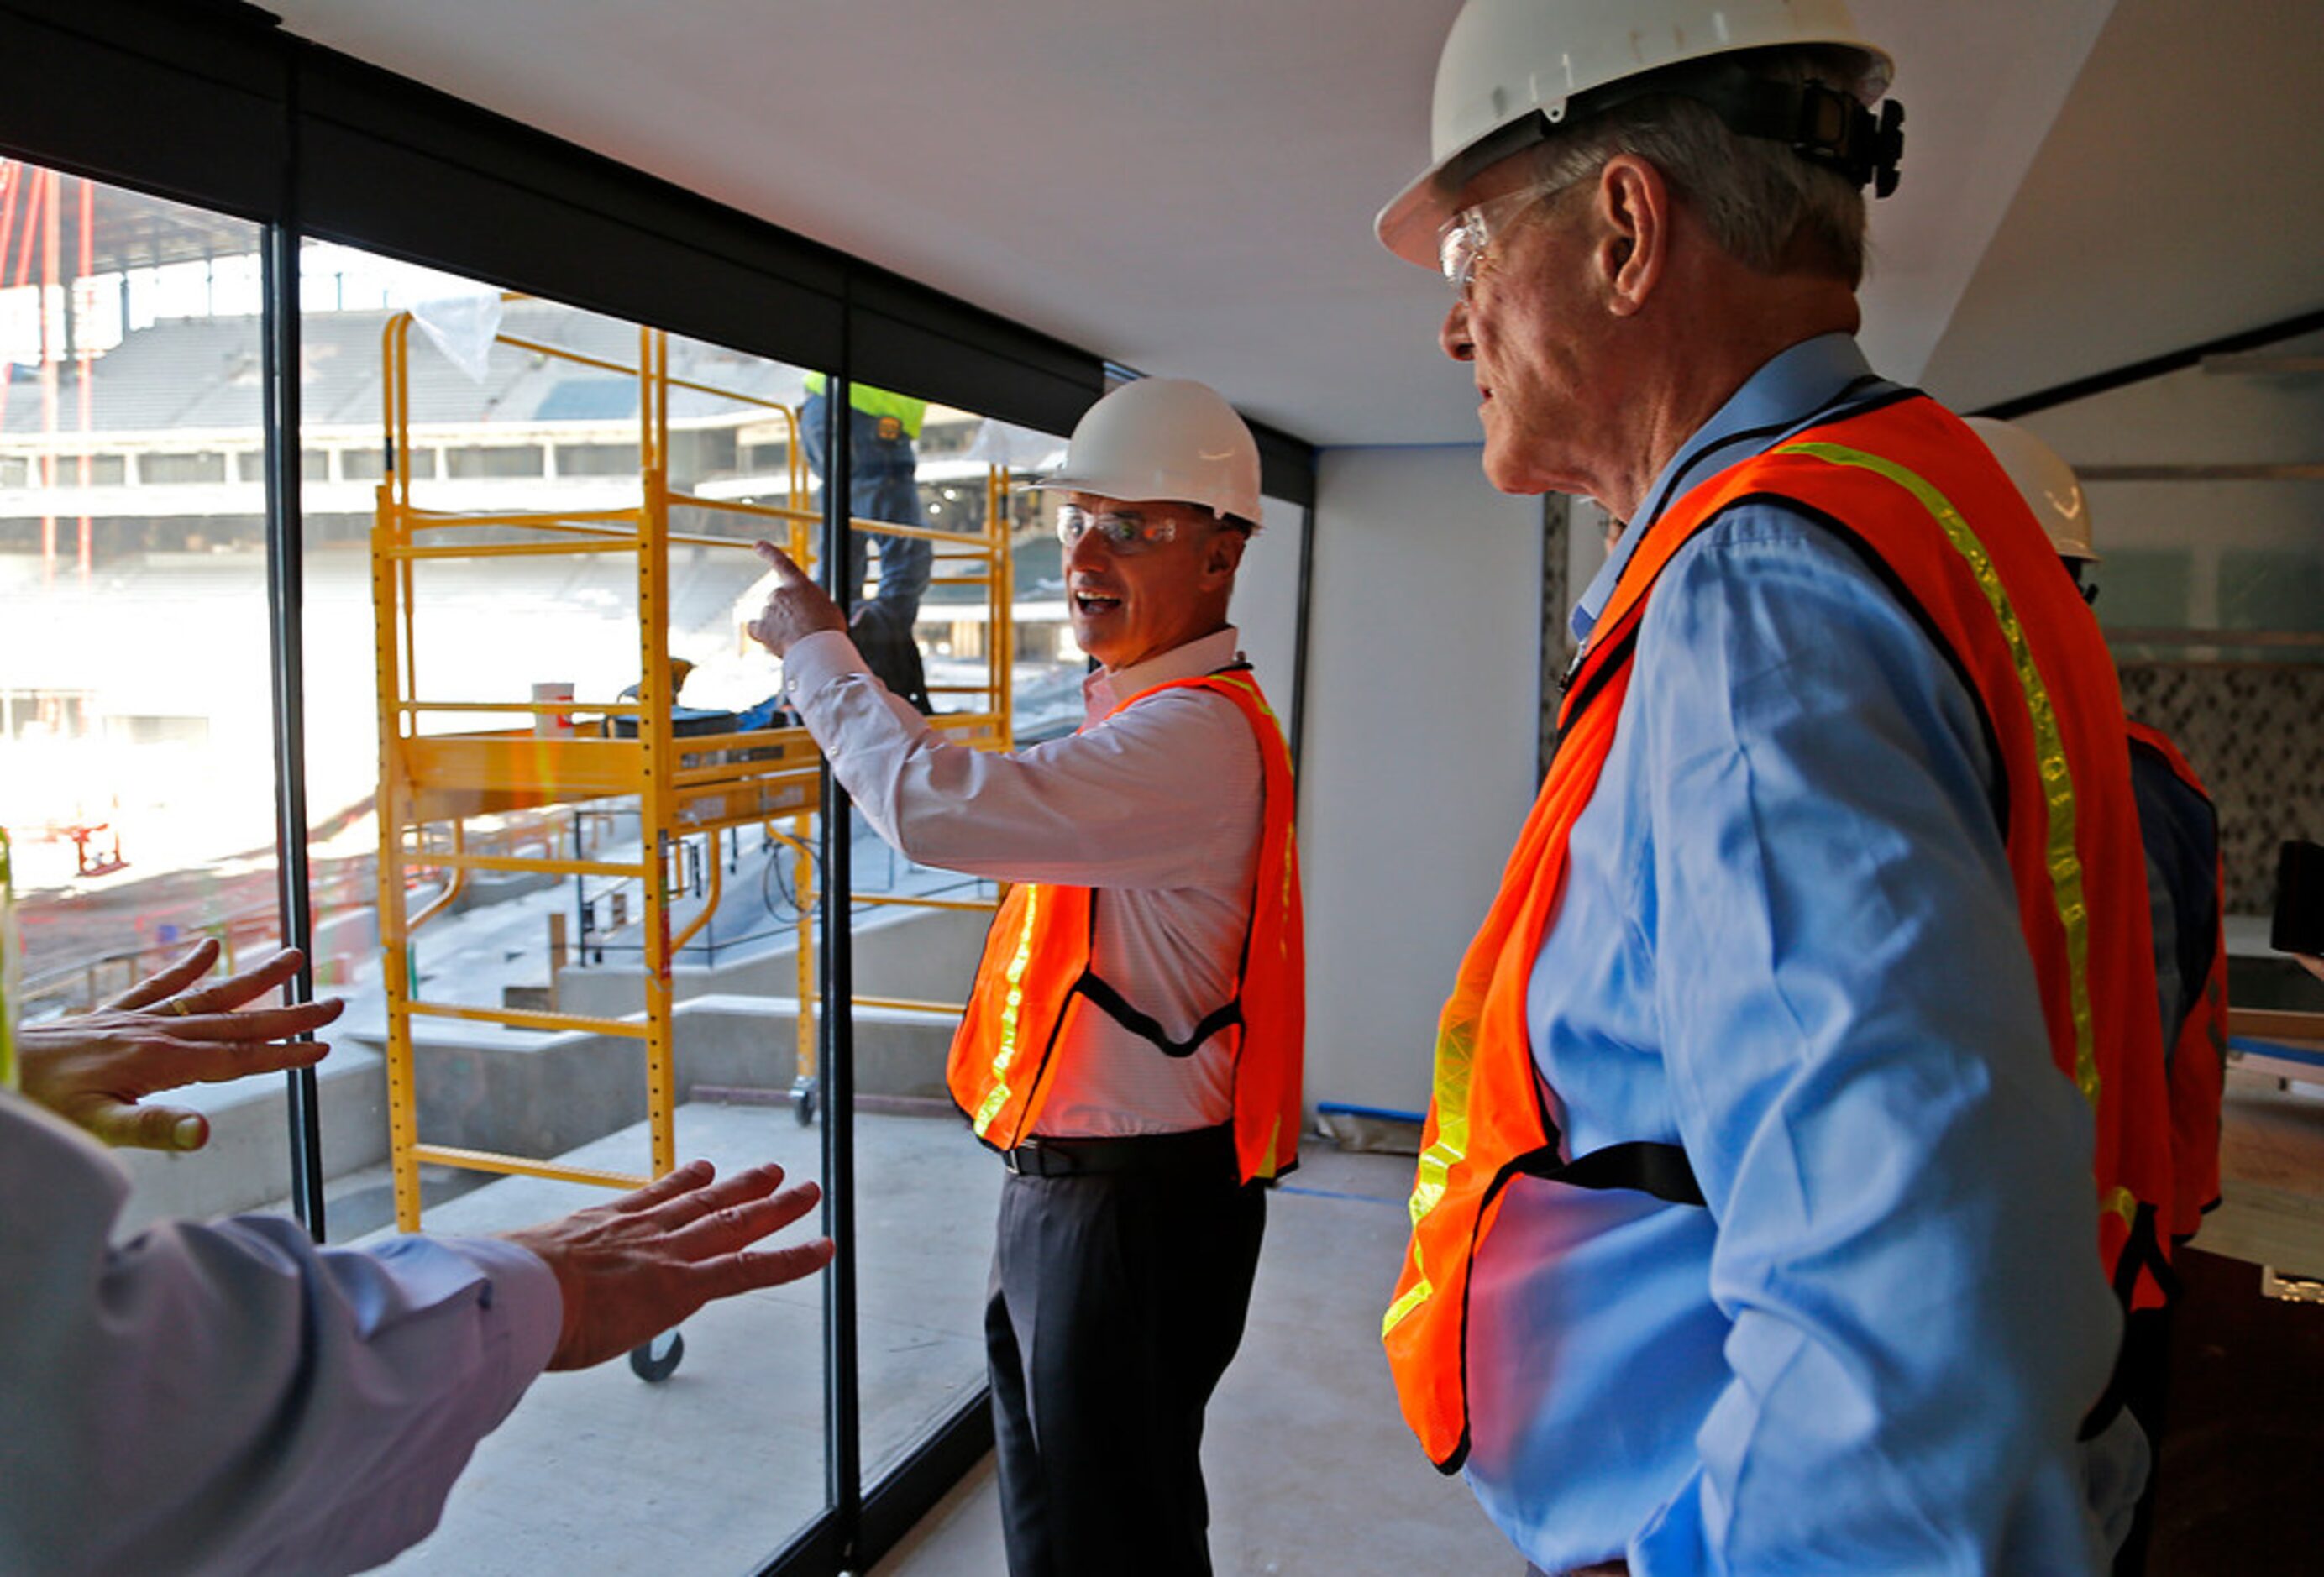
{"x": 1200, "y": 1150}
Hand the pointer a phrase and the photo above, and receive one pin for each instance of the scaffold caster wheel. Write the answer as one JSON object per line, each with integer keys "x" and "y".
{"x": 803, "y": 1103}
{"x": 657, "y": 1360}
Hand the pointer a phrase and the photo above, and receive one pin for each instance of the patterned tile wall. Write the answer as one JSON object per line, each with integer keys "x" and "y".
{"x": 2254, "y": 734}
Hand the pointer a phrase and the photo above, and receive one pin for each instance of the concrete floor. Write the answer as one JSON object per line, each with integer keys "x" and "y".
{"x": 1310, "y": 1468}
{"x": 713, "y": 1469}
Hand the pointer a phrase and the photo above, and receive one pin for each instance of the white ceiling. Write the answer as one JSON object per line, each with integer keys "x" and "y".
{"x": 1186, "y": 187}
{"x": 2179, "y": 199}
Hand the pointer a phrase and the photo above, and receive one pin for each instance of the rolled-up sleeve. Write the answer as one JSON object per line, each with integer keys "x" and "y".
{"x": 1900, "y": 1177}
{"x": 229, "y": 1396}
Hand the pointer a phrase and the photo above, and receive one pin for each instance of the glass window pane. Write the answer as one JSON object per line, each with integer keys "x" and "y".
{"x": 927, "y": 1192}
{"x": 2273, "y": 588}
{"x": 136, "y": 770}
{"x": 1047, "y": 664}
{"x": 2147, "y": 589}
{"x": 541, "y": 848}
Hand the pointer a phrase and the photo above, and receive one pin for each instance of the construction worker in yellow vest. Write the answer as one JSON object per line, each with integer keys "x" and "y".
{"x": 882, "y": 470}
{"x": 1800, "y": 1085}
{"x": 1131, "y": 1047}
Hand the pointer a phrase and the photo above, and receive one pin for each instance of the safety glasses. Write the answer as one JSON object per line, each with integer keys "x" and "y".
{"x": 1461, "y": 245}
{"x": 1126, "y": 530}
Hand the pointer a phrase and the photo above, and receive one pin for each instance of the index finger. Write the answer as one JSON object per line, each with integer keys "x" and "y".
{"x": 786, "y": 573}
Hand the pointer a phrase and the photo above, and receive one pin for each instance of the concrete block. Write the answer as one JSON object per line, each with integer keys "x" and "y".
{"x": 533, "y": 1094}
{"x": 923, "y": 956}
{"x": 246, "y": 1164}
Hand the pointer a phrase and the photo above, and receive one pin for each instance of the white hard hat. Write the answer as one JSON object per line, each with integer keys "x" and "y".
{"x": 1157, "y": 440}
{"x": 2046, "y": 483}
{"x": 1511, "y": 68}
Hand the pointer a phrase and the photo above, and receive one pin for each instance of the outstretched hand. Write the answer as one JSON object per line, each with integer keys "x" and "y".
{"x": 797, "y": 607}
{"x": 631, "y": 1269}
{"x": 95, "y": 1069}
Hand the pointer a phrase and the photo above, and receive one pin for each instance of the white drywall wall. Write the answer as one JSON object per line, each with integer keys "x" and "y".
{"x": 1422, "y": 699}
{"x": 1266, "y": 603}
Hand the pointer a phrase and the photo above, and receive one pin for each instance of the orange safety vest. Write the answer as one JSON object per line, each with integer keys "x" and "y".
{"x": 2197, "y": 1061}
{"x": 1037, "y": 974}
{"x": 1910, "y": 488}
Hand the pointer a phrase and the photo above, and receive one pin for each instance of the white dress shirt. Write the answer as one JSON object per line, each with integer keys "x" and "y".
{"x": 1160, "y": 805}
{"x": 228, "y": 1398}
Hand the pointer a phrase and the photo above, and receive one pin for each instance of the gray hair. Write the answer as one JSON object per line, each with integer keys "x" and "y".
{"x": 1771, "y": 209}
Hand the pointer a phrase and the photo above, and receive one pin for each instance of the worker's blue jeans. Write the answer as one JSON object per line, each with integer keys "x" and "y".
{"x": 881, "y": 487}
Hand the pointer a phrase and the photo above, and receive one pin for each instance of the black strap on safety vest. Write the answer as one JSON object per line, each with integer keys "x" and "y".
{"x": 1146, "y": 1027}
{"x": 1662, "y": 1170}
{"x": 2142, "y": 1251}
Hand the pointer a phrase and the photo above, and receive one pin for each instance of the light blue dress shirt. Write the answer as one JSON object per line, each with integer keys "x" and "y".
{"x": 1788, "y": 941}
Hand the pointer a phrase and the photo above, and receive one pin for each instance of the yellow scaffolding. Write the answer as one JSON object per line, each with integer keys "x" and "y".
{"x": 432, "y": 785}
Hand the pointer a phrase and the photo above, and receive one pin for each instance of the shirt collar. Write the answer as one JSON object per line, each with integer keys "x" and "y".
{"x": 1102, "y": 692}
{"x": 1791, "y": 390}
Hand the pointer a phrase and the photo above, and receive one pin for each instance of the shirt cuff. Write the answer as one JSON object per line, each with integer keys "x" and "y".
{"x": 525, "y": 1297}
{"x": 816, "y": 660}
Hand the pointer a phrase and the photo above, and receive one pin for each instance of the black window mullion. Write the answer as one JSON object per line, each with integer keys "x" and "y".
{"x": 843, "y": 1452}
{"x": 286, "y": 639}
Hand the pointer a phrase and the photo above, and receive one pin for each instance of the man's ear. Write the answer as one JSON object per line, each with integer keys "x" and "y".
{"x": 1634, "y": 215}
{"x": 1224, "y": 555}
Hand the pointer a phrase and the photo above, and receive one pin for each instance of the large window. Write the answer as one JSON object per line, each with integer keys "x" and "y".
{"x": 162, "y": 569}
{"x": 987, "y": 634}
{"x": 136, "y": 773}
{"x": 538, "y": 502}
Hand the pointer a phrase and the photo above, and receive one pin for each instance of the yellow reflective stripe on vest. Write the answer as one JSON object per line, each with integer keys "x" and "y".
{"x": 1456, "y": 1058}
{"x": 998, "y": 1096}
{"x": 2064, "y": 863}
{"x": 1422, "y": 1291}
{"x": 875, "y": 401}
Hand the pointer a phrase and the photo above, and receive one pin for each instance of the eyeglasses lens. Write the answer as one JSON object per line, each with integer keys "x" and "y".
{"x": 1123, "y": 531}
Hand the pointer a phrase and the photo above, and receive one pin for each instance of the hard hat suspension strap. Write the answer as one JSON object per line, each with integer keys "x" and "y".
{"x": 1824, "y": 124}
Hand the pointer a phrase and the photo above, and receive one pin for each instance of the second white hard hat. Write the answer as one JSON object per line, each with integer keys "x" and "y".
{"x": 2046, "y": 483}
{"x": 1158, "y": 440}
{"x": 1507, "y": 60}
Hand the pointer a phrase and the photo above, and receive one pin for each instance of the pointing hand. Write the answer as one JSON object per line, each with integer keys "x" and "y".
{"x": 797, "y": 607}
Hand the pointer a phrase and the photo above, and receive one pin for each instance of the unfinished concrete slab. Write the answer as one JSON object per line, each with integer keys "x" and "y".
{"x": 1311, "y": 1469}
{"x": 713, "y": 1469}
{"x": 1312, "y": 1472}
